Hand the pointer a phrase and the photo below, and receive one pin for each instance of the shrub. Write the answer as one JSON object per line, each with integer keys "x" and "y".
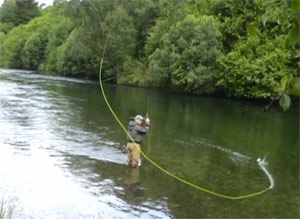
{"x": 255, "y": 67}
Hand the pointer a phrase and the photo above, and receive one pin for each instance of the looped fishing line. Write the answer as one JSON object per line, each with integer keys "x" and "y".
{"x": 261, "y": 163}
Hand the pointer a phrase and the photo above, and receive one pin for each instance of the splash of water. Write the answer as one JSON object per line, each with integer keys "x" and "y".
{"x": 262, "y": 163}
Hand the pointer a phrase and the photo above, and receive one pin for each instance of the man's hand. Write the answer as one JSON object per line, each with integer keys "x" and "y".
{"x": 147, "y": 120}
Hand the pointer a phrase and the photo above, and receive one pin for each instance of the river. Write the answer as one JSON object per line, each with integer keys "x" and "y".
{"x": 63, "y": 155}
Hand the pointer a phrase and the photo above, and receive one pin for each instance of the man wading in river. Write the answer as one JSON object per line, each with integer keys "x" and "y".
{"x": 137, "y": 132}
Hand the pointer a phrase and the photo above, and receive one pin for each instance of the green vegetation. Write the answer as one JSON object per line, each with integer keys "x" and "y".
{"x": 241, "y": 49}
{"x": 16, "y": 12}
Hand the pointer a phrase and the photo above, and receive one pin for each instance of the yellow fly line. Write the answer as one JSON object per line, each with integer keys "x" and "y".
{"x": 260, "y": 162}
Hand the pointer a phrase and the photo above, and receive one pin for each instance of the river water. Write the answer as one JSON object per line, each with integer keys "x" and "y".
{"x": 63, "y": 155}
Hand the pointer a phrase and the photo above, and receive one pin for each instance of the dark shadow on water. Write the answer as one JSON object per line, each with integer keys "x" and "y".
{"x": 128, "y": 185}
{"x": 134, "y": 193}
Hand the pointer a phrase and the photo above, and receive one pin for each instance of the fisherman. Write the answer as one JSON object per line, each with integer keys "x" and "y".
{"x": 137, "y": 132}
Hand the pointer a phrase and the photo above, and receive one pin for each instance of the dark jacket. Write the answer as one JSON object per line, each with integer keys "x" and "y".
{"x": 137, "y": 132}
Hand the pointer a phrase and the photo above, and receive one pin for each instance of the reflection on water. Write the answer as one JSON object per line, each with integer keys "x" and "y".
{"x": 62, "y": 155}
{"x": 134, "y": 194}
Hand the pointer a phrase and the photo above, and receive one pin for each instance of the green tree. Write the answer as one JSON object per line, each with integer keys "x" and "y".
{"x": 18, "y": 11}
{"x": 254, "y": 68}
{"x": 56, "y": 37}
{"x": 121, "y": 42}
{"x": 7, "y": 15}
{"x": 186, "y": 59}
{"x": 234, "y": 16}
{"x": 8, "y": 11}
{"x": 25, "y": 10}
{"x": 170, "y": 12}
{"x": 24, "y": 46}
{"x": 261, "y": 64}
{"x": 283, "y": 19}
{"x": 84, "y": 48}
{"x": 6, "y": 27}
{"x": 73, "y": 56}
{"x": 143, "y": 15}
{"x": 160, "y": 43}
{"x": 12, "y": 47}
{"x": 33, "y": 52}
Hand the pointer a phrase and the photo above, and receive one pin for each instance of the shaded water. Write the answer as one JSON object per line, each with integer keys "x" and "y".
{"x": 62, "y": 154}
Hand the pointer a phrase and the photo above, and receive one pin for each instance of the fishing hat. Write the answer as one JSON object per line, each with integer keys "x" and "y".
{"x": 139, "y": 117}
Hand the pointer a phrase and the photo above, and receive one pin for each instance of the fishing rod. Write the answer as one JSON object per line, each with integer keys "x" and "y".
{"x": 260, "y": 162}
{"x": 147, "y": 117}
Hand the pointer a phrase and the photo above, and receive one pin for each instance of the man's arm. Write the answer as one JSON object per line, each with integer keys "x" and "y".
{"x": 146, "y": 129}
{"x": 143, "y": 130}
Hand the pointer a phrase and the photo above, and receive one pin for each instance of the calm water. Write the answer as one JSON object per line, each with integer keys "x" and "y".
{"x": 62, "y": 154}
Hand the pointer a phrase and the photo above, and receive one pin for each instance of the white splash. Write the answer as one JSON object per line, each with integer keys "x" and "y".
{"x": 262, "y": 163}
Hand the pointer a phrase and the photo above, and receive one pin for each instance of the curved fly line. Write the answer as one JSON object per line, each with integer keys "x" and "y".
{"x": 260, "y": 162}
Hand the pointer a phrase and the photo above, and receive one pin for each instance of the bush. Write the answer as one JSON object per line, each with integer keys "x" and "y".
{"x": 27, "y": 40}
{"x": 33, "y": 52}
{"x": 6, "y": 27}
{"x": 12, "y": 47}
{"x": 135, "y": 72}
{"x": 73, "y": 57}
{"x": 186, "y": 59}
{"x": 56, "y": 37}
{"x": 255, "y": 67}
{"x": 121, "y": 42}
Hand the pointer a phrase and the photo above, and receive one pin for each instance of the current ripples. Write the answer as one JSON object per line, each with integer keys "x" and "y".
{"x": 52, "y": 162}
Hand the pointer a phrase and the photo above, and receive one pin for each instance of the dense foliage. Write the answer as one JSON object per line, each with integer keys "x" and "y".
{"x": 237, "y": 48}
{"x": 187, "y": 54}
{"x": 16, "y": 12}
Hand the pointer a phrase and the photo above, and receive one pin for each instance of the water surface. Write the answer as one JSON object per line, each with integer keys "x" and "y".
{"x": 63, "y": 155}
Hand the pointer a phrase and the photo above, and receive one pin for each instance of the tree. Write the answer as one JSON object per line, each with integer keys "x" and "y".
{"x": 7, "y": 15}
{"x": 18, "y": 11}
{"x": 234, "y": 16}
{"x": 8, "y": 11}
{"x": 264, "y": 61}
{"x": 122, "y": 42}
{"x": 170, "y": 12}
{"x": 33, "y": 53}
{"x": 24, "y": 46}
{"x": 56, "y": 37}
{"x": 143, "y": 14}
{"x": 25, "y": 11}
{"x": 255, "y": 67}
{"x": 186, "y": 59}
